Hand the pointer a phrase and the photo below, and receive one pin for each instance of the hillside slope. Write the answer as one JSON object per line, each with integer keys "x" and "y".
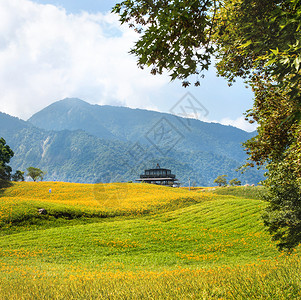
{"x": 221, "y": 228}
{"x": 214, "y": 247}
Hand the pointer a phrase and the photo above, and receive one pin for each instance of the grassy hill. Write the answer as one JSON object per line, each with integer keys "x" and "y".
{"x": 138, "y": 241}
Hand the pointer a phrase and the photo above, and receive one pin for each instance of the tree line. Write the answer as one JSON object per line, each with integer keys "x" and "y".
{"x": 222, "y": 181}
{"x": 6, "y": 175}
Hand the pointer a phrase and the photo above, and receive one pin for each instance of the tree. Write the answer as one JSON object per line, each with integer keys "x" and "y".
{"x": 257, "y": 40}
{"x": 175, "y": 35}
{"x": 264, "y": 47}
{"x": 35, "y": 173}
{"x": 234, "y": 182}
{"x": 221, "y": 180}
{"x": 5, "y": 156}
{"x": 18, "y": 176}
{"x": 277, "y": 147}
{"x": 181, "y": 36}
{"x": 282, "y": 216}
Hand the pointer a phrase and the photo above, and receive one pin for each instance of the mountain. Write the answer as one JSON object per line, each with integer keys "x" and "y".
{"x": 143, "y": 126}
{"x": 10, "y": 125}
{"x": 74, "y": 141}
{"x": 65, "y": 155}
{"x": 70, "y": 114}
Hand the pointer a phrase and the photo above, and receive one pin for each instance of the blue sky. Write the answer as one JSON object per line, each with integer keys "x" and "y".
{"x": 76, "y": 6}
{"x": 54, "y": 49}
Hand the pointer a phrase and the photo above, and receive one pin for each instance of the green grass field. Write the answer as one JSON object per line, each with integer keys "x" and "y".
{"x": 138, "y": 241}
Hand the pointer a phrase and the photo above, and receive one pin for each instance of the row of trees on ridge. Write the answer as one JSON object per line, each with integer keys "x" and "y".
{"x": 222, "y": 181}
{"x": 6, "y": 154}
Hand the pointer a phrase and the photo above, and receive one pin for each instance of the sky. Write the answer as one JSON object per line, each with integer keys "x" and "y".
{"x": 51, "y": 50}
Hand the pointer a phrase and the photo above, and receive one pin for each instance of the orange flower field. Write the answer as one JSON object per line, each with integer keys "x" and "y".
{"x": 139, "y": 241}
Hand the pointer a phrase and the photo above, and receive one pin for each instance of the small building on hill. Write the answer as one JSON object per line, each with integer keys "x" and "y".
{"x": 159, "y": 176}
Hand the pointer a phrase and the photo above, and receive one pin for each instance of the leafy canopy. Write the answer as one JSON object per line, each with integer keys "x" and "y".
{"x": 5, "y": 156}
{"x": 234, "y": 182}
{"x": 221, "y": 180}
{"x": 18, "y": 176}
{"x": 175, "y": 35}
{"x": 244, "y": 35}
{"x": 35, "y": 173}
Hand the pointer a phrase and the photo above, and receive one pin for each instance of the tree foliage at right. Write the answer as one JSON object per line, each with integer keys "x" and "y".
{"x": 257, "y": 40}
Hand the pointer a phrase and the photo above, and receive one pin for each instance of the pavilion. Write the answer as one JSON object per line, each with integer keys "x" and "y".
{"x": 159, "y": 176}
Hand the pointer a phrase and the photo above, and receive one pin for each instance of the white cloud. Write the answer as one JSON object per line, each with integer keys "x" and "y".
{"x": 47, "y": 54}
{"x": 239, "y": 123}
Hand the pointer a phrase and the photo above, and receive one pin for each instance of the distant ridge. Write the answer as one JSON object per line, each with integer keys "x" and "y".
{"x": 70, "y": 114}
{"x": 126, "y": 124}
{"x": 75, "y": 141}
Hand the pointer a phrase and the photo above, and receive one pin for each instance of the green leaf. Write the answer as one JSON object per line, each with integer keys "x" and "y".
{"x": 297, "y": 63}
{"x": 275, "y": 51}
{"x": 245, "y": 45}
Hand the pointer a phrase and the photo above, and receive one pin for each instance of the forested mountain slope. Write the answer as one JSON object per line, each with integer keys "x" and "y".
{"x": 74, "y": 141}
